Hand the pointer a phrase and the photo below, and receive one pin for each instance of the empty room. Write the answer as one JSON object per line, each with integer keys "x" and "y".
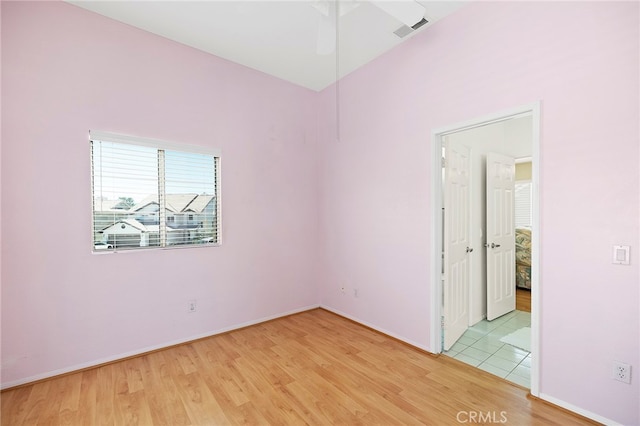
{"x": 320, "y": 212}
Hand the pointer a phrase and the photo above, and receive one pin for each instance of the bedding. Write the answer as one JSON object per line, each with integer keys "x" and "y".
{"x": 523, "y": 258}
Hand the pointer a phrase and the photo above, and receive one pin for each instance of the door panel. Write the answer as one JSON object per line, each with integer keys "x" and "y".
{"x": 456, "y": 243}
{"x": 500, "y": 246}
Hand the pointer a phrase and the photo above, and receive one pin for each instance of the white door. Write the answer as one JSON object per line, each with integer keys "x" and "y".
{"x": 456, "y": 243}
{"x": 500, "y": 244}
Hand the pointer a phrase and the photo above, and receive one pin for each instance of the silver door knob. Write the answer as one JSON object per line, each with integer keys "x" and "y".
{"x": 494, "y": 245}
{"x": 469, "y": 249}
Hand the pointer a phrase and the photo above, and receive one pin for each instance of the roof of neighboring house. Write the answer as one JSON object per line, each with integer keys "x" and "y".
{"x": 131, "y": 222}
{"x": 149, "y": 199}
{"x": 199, "y": 203}
{"x": 111, "y": 206}
{"x": 178, "y": 203}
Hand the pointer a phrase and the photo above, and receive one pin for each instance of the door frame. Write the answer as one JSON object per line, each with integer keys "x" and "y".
{"x": 532, "y": 109}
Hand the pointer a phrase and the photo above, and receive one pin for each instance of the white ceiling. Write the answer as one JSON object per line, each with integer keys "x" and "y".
{"x": 276, "y": 37}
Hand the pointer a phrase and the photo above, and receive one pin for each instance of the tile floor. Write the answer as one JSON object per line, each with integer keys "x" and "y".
{"x": 481, "y": 347}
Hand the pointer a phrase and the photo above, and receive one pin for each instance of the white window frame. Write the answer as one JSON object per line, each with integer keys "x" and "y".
{"x": 161, "y": 146}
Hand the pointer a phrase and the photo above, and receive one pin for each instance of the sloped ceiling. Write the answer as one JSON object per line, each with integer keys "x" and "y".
{"x": 279, "y": 38}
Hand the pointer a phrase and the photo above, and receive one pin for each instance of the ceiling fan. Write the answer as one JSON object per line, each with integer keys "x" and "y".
{"x": 408, "y": 12}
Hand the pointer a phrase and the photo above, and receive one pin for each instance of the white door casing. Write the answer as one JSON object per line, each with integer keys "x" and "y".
{"x": 456, "y": 242}
{"x": 437, "y": 227}
{"x": 500, "y": 234}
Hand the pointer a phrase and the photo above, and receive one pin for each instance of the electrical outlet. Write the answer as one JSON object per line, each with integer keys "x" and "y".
{"x": 355, "y": 292}
{"x": 191, "y": 306}
{"x": 622, "y": 372}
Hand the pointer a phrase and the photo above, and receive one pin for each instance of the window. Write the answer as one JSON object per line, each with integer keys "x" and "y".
{"x": 523, "y": 204}
{"x": 142, "y": 190}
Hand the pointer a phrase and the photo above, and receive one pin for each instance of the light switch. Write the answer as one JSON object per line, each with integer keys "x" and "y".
{"x": 621, "y": 255}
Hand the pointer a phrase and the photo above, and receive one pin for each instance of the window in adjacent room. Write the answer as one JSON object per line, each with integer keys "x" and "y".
{"x": 143, "y": 189}
{"x": 523, "y": 204}
{"x": 523, "y": 195}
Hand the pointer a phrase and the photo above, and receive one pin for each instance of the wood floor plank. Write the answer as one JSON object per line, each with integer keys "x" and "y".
{"x": 312, "y": 368}
{"x": 523, "y": 300}
{"x": 38, "y": 410}
{"x": 132, "y": 409}
{"x": 199, "y": 402}
{"x": 222, "y": 382}
{"x": 16, "y": 404}
{"x": 87, "y": 399}
{"x": 164, "y": 402}
{"x": 379, "y": 402}
{"x": 134, "y": 370}
{"x": 105, "y": 395}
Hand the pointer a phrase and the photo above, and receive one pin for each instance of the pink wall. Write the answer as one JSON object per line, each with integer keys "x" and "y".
{"x": 66, "y": 71}
{"x": 580, "y": 59}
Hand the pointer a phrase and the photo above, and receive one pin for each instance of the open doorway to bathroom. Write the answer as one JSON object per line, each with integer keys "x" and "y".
{"x": 486, "y": 320}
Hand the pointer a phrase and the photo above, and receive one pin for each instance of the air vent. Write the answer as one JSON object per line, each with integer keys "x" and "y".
{"x": 404, "y": 30}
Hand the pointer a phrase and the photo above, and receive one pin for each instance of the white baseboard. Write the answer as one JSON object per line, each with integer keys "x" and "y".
{"x": 578, "y": 410}
{"x": 106, "y": 360}
{"x": 375, "y": 327}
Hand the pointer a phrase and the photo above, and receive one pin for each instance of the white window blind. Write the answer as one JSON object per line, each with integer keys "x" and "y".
{"x": 149, "y": 193}
{"x": 523, "y": 204}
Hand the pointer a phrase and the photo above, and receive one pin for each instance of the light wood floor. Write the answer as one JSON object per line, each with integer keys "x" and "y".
{"x": 523, "y": 300}
{"x": 312, "y": 368}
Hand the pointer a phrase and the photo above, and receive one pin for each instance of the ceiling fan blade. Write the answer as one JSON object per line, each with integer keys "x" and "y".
{"x": 408, "y": 12}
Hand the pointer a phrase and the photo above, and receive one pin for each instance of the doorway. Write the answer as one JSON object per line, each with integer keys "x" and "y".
{"x": 439, "y": 139}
